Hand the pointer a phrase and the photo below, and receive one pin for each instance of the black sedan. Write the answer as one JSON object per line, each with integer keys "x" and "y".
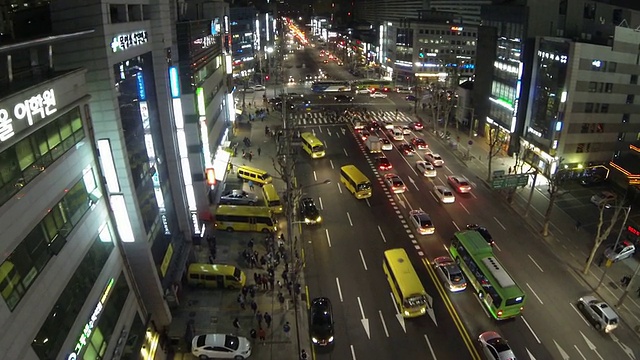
{"x": 321, "y": 322}
{"x": 483, "y": 231}
{"x": 309, "y": 211}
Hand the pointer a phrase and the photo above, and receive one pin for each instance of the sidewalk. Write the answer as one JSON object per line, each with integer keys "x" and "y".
{"x": 213, "y": 311}
{"x": 562, "y": 233}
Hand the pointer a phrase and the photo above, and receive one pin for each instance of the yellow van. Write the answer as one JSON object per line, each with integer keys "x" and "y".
{"x": 272, "y": 199}
{"x": 259, "y": 177}
{"x": 216, "y": 276}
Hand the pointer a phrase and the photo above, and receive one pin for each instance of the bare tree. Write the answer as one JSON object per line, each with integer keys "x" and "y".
{"x": 448, "y": 102}
{"x": 554, "y": 194}
{"x": 603, "y": 232}
{"x": 495, "y": 145}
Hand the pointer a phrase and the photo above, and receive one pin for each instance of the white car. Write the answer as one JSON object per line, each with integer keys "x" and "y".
{"x": 220, "y": 346}
{"x": 406, "y": 130}
{"x": 459, "y": 183}
{"x": 444, "y": 194}
{"x": 386, "y": 145}
{"x": 604, "y": 198}
{"x": 434, "y": 159}
{"x": 259, "y": 88}
{"x": 363, "y": 91}
{"x": 495, "y": 347}
{"x": 426, "y": 168}
{"x": 378, "y": 95}
{"x": 395, "y": 183}
{"x": 450, "y": 273}
{"x": 422, "y": 222}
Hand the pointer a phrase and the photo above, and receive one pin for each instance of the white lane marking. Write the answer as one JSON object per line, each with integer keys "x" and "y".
{"x": 325, "y": 144}
{"x": 364, "y": 263}
{"x": 353, "y": 353}
{"x": 331, "y": 162}
{"x": 579, "y": 314}
{"x": 320, "y": 201}
{"x": 384, "y": 325}
{"x": 499, "y": 223}
{"x": 449, "y": 170}
{"x": 535, "y": 263}
{"x": 534, "y": 294}
{"x": 496, "y": 246}
{"x": 339, "y": 290}
{"x": 474, "y": 195}
{"x": 368, "y": 203}
{"x": 345, "y": 152}
{"x": 465, "y": 209}
{"x": 315, "y": 177}
{"x": 456, "y": 225}
{"x": 580, "y": 352}
{"x": 384, "y": 239}
{"x": 433, "y": 354}
{"x": 339, "y": 188}
{"x": 349, "y": 217}
{"x": 530, "y": 329}
{"x": 328, "y": 237}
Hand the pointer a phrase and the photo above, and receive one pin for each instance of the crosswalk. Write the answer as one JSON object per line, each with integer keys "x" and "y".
{"x": 318, "y": 118}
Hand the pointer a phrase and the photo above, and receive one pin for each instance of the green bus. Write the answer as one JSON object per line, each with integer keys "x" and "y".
{"x": 373, "y": 84}
{"x": 496, "y": 288}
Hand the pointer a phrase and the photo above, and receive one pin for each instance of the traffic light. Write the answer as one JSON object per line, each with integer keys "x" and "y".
{"x": 421, "y": 53}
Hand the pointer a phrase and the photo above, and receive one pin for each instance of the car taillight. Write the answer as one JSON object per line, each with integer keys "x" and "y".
{"x": 499, "y": 313}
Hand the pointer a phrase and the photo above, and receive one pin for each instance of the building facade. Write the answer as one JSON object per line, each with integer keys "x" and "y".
{"x": 582, "y": 105}
{"x": 67, "y": 290}
{"x": 245, "y": 25}
{"x": 467, "y": 11}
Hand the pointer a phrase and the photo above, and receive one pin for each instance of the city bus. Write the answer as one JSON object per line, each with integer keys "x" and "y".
{"x": 355, "y": 181}
{"x": 311, "y": 144}
{"x": 371, "y": 84}
{"x": 322, "y": 86}
{"x": 405, "y": 284}
{"x": 244, "y": 218}
{"x": 496, "y": 288}
{"x": 272, "y": 199}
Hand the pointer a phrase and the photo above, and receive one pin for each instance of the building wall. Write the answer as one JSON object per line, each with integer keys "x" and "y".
{"x": 467, "y": 11}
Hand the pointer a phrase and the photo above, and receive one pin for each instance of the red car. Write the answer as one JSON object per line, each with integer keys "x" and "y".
{"x": 416, "y": 125}
{"x": 384, "y": 164}
{"x": 419, "y": 144}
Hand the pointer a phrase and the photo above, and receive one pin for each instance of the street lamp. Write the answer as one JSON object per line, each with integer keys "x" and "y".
{"x": 604, "y": 273}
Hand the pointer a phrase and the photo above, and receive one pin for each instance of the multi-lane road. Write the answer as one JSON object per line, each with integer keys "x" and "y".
{"x": 344, "y": 257}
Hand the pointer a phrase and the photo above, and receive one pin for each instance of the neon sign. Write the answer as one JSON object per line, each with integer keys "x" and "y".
{"x": 93, "y": 320}
{"x": 124, "y": 41}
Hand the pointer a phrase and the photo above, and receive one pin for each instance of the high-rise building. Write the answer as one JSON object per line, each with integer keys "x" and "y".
{"x": 245, "y": 26}
{"x": 379, "y": 11}
{"x": 467, "y": 11}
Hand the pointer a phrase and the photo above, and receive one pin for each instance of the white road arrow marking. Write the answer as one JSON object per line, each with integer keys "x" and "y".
{"x": 328, "y": 131}
{"x": 624, "y": 347}
{"x": 563, "y": 353}
{"x": 398, "y": 315}
{"x": 430, "y": 311}
{"x": 344, "y": 131}
{"x": 591, "y": 345}
{"x": 365, "y": 321}
{"x": 404, "y": 205}
{"x": 413, "y": 182}
{"x": 530, "y": 355}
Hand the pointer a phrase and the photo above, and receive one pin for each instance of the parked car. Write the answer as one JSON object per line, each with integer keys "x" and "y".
{"x": 599, "y": 313}
{"x": 459, "y": 183}
{"x": 378, "y": 95}
{"x": 422, "y": 222}
{"x": 623, "y": 250}
{"x": 426, "y": 168}
{"x": 259, "y": 88}
{"x": 449, "y": 272}
{"x": 321, "y": 321}
{"x": 495, "y": 347}
{"x": 604, "y": 198}
{"x": 220, "y": 346}
{"x": 238, "y": 197}
{"x": 592, "y": 181}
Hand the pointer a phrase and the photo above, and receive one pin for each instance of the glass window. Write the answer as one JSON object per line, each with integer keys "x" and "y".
{"x": 9, "y": 170}
{"x": 608, "y": 87}
{"x": 588, "y": 107}
{"x": 630, "y": 98}
{"x": 593, "y": 86}
{"x": 25, "y": 154}
{"x": 633, "y": 80}
{"x": 604, "y": 108}
{"x": 612, "y": 66}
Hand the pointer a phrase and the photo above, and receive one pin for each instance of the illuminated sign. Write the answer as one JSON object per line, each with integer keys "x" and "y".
{"x": 456, "y": 28}
{"x": 124, "y": 41}
{"x": 93, "y": 320}
{"x": 633, "y": 230}
{"x": 215, "y": 26}
{"x": 535, "y": 132}
{"x": 206, "y": 41}
{"x": 174, "y": 80}
{"x": 554, "y": 57}
{"x": 211, "y": 176}
{"x": 200, "y": 101}
{"x": 39, "y": 106}
{"x": 196, "y": 223}
{"x": 142, "y": 94}
{"x": 166, "y": 261}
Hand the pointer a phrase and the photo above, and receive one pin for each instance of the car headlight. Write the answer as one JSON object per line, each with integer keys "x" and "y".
{"x": 319, "y": 219}
{"x": 406, "y": 313}
{"x": 315, "y": 341}
{"x": 330, "y": 339}
{"x": 307, "y": 220}
{"x": 423, "y": 310}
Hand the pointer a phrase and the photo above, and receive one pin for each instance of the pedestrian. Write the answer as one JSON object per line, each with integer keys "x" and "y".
{"x": 281, "y": 299}
{"x": 259, "y": 151}
{"x": 259, "y": 318}
{"x": 578, "y": 224}
{"x": 267, "y": 319}
{"x": 250, "y": 155}
{"x": 253, "y": 333}
{"x": 254, "y": 307}
{"x": 303, "y": 355}
{"x": 252, "y": 291}
{"x": 250, "y": 185}
{"x": 600, "y": 260}
{"x": 285, "y": 276}
{"x": 256, "y": 278}
{"x": 287, "y": 329}
{"x": 271, "y": 280}
{"x": 625, "y": 281}
{"x": 236, "y": 324}
{"x": 279, "y": 285}
{"x": 250, "y": 244}
{"x": 262, "y": 335}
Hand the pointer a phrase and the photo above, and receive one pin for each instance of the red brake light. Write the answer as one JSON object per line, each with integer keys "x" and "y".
{"x": 499, "y": 313}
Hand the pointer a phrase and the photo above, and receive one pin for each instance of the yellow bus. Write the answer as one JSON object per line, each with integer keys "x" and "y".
{"x": 355, "y": 181}
{"x": 405, "y": 284}
{"x": 244, "y": 218}
{"x": 313, "y": 146}
{"x": 272, "y": 199}
{"x": 216, "y": 276}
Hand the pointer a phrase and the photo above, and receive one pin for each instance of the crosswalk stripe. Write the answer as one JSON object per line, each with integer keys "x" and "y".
{"x": 318, "y": 118}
